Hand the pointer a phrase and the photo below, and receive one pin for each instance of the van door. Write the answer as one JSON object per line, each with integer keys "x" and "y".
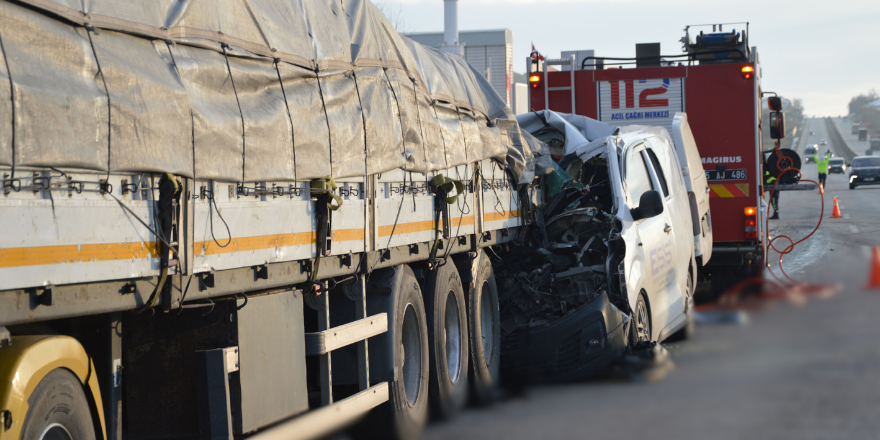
{"x": 677, "y": 227}
{"x": 697, "y": 186}
{"x": 654, "y": 246}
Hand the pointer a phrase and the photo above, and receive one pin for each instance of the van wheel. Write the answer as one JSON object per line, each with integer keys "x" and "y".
{"x": 641, "y": 321}
{"x": 447, "y": 337}
{"x": 852, "y": 186}
{"x": 400, "y": 356}
{"x": 484, "y": 331}
{"x": 58, "y": 410}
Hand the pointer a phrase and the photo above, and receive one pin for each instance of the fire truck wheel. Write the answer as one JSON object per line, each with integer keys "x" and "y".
{"x": 447, "y": 336}
{"x": 58, "y": 409}
{"x": 484, "y": 331}
{"x": 402, "y": 353}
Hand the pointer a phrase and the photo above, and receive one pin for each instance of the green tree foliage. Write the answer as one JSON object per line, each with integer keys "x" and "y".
{"x": 868, "y": 115}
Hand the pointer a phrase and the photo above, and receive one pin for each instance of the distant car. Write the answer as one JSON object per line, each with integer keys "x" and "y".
{"x": 837, "y": 165}
{"x": 809, "y": 152}
{"x": 812, "y": 133}
{"x": 823, "y": 142}
{"x": 864, "y": 170}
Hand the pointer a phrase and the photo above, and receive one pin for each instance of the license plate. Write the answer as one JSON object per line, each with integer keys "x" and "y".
{"x": 739, "y": 174}
{"x": 869, "y": 179}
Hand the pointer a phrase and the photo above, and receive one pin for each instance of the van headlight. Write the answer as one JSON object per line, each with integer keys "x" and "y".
{"x": 853, "y": 177}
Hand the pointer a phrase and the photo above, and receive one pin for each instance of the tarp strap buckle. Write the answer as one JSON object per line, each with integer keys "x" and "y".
{"x": 323, "y": 192}
{"x": 441, "y": 186}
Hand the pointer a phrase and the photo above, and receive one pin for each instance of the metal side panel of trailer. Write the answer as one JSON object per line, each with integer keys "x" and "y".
{"x": 59, "y": 229}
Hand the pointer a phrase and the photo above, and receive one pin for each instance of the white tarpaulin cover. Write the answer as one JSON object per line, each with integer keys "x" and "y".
{"x": 238, "y": 90}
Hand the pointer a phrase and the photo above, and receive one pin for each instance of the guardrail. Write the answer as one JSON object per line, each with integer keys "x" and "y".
{"x": 837, "y": 140}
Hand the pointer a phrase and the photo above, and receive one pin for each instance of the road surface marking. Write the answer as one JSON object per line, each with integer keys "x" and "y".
{"x": 854, "y": 229}
{"x": 866, "y": 250}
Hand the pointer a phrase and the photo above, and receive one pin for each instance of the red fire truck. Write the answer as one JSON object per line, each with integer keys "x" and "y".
{"x": 716, "y": 81}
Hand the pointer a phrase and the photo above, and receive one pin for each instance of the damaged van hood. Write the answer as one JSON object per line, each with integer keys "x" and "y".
{"x": 572, "y": 131}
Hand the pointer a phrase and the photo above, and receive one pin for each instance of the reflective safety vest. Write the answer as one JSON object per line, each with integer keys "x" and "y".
{"x": 768, "y": 178}
{"x": 822, "y": 164}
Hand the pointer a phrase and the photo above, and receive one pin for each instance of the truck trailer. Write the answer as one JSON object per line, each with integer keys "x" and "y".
{"x": 717, "y": 82}
{"x": 251, "y": 218}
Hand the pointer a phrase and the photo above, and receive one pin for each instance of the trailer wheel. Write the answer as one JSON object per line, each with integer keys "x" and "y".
{"x": 400, "y": 356}
{"x": 484, "y": 331}
{"x": 447, "y": 335}
{"x": 58, "y": 410}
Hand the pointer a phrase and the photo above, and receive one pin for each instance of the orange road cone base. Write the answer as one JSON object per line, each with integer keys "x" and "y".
{"x": 874, "y": 275}
{"x": 835, "y": 213}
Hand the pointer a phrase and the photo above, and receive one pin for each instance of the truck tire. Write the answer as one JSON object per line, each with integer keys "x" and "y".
{"x": 447, "y": 336}
{"x": 484, "y": 331}
{"x": 400, "y": 356}
{"x": 58, "y": 409}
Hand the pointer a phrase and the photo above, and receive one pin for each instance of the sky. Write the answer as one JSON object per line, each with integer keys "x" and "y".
{"x": 823, "y": 53}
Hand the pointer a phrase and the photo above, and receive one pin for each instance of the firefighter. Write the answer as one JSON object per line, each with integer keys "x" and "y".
{"x": 774, "y": 197}
{"x": 823, "y": 167}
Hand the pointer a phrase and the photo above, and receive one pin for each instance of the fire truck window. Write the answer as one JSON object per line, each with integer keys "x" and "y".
{"x": 637, "y": 180}
{"x": 661, "y": 176}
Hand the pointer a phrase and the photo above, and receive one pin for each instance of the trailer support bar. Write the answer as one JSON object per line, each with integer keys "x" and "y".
{"x": 337, "y": 337}
{"x": 328, "y": 419}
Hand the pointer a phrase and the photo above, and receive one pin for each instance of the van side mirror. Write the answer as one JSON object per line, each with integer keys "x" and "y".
{"x": 650, "y": 205}
{"x": 777, "y": 125}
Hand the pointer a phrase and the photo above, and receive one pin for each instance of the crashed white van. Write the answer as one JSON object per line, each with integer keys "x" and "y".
{"x": 611, "y": 260}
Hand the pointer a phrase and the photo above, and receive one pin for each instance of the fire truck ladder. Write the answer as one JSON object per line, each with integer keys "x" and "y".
{"x": 548, "y": 89}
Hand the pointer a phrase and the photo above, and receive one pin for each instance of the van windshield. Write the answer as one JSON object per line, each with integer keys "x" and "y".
{"x": 866, "y": 162}
{"x": 835, "y": 161}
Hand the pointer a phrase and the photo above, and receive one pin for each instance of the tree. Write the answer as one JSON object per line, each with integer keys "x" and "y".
{"x": 394, "y": 14}
{"x": 862, "y": 112}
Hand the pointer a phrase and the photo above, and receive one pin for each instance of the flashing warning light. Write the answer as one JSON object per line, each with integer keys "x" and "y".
{"x": 751, "y": 210}
{"x": 535, "y": 80}
{"x": 747, "y": 71}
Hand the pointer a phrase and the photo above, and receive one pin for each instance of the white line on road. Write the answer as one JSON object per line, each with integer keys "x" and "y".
{"x": 854, "y": 229}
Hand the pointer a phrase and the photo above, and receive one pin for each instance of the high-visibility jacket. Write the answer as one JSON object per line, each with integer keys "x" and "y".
{"x": 822, "y": 164}
{"x": 768, "y": 178}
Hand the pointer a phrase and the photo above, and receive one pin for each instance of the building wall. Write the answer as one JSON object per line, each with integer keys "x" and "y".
{"x": 495, "y": 63}
{"x": 490, "y": 52}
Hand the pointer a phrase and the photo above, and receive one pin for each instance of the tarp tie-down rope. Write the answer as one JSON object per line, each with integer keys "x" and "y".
{"x": 12, "y": 106}
{"x": 224, "y": 46}
{"x": 289, "y": 117}
{"x": 89, "y": 31}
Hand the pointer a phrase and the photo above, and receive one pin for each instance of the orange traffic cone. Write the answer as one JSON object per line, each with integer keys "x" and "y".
{"x": 836, "y": 212}
{"x": 874, "y": 275}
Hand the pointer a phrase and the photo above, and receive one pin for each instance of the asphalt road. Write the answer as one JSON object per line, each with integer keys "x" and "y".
{"x": 801, "y": 368}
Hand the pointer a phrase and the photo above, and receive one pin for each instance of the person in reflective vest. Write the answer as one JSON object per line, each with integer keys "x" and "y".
{"x": 774, "y": 197}
{"x": 823, "y": 167}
